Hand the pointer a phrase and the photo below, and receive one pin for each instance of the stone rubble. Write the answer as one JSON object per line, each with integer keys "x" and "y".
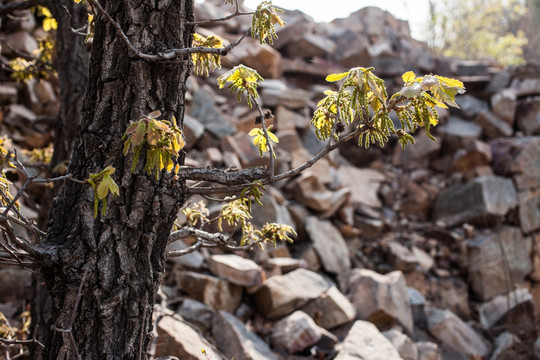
{"x": 427, "y": 253}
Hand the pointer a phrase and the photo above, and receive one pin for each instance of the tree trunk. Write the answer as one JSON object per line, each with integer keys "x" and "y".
{"x": 117, "y": 260}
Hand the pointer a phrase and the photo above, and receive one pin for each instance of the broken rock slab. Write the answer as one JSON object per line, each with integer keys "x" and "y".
{"x": 234, "y": 339}
{"x": 492, "y": 126}
{"x": 281, "y": 295}
{"x": 295, "y": 333}
{"x": 428, "y": 351}
{"x": 178, "y": 338}
{"x": 518, "y": 158}
{"x": 329, "y": 245}
{"x": 197, "y": 313}
{"x": 380, "y": 299}
{"x": 484, "y": 199}
{"x": 217, "y": 293}
{"x": 236, "y": 269}
{"x": 511, "y": 312}
{"x": 449, "y": 329}
{"x": 496, "y": 260}
{"x": 406, "y": 348}
{"x": 365, "y": 342}
{"x": 331, "y": 309}
{"x": 363, "y": 183}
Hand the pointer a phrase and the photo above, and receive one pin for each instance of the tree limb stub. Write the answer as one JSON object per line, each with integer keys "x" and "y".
{"x": 223, "y": 177}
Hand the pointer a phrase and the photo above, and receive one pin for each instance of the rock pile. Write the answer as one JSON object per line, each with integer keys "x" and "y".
{"x": 431, "y": 252}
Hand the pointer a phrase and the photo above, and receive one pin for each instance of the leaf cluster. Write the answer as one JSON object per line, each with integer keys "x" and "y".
{"x": 263, "y": 21}
{"x": 102, "y": 183}
{"x": 49, "y": 22}
{"x": 362, "y": 99}
{"x": 162, "y": 140}
{"x": 203, "y": 63}
{"x": 259, "y": 139}
{"x": 197, "y": 214}
{"x": 39, "y": 66}
{"x": 243, "y": 80}
{"x": 6, "y": 160}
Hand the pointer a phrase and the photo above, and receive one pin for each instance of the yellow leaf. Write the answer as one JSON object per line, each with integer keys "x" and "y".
{"x": 277, "y": 19}
{"x": 336, "y": 77}
{"x": 408, "y": 77}
{"x": 105, "y": 185}
{"x": 109, "y": 170}
{"x": 329, "y": 92}
{"x": 254, "y": 131}
{"x": 50, "y": 24}
{"x": 273, "y": 137}
{"x": 450, "y": 82}
{"x": 153, "y": 134}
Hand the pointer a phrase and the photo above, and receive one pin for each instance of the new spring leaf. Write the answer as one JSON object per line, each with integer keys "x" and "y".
{"x": 242, "y": 79}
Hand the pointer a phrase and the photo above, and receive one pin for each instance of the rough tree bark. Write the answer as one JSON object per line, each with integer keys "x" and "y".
{"x": 117, "y": 260}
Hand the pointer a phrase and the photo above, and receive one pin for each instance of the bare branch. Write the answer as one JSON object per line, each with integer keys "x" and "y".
{"x": 187, "y": 232}
{"x": 222, "y": 176}
{"x": 14, "y": 6}
{"x": 171, "y": 54}
{"x": 21, "y": 342}
{"x": 267, "y": 137}
{"x": 236, "y": 13}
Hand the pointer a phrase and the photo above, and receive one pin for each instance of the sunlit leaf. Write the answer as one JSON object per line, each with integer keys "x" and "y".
{"x": 408, "y": 77}
{"x": 336, "y": 77}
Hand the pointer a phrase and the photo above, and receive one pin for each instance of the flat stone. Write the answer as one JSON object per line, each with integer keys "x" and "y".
{"x": 291, "y": 98}
{"x": 457, "y": 132}
{"x": 380, "y": 299}
{"x": 236, "y": 269}
{"x": 453, "y": 332}
{"x": 529, "y": 210}
{"x": 192, "y": 260}
{"x": 295, "y": 333}
{"x": 476, "y": 153}
{"x": 492, "y": 126}
{"x": 21, "y": 41}
{"x": 484, "y": 199}
{"x": 265, "y": 59}
{"x": 419, "y": 155}
{"x": 506, "y": 345}
{"x": 470, "y": 106}
{"x": 281, "y": 295}
{"x": 510, "y": 312}
{"x": 205, "y": 110}
{"x": 234, "y": 339}
{"x": 417, "y": 302}
{"x": 329, "y": 245}
{"x": 309, "y": 45}
{"x": 178, "y": 338}
{"x": 401, "y": 257}
{"x": 518, "y": 158}
{"x": 295, "y": 27}
{"x": 428, "y": 351}
{"x": 290, "y": 120}
{"x": 494, "y": 256}
{"x": 281, "y": 265}
{"x": 217, "y": 293}
{"x": 527, "y": 115}
{"x": 365, "y": 342}
{"x": 310, "y": 191}
{"x": 8, "y": 93}
{"x": 363, "y": 183}
{"x": 196, "y": 313}
{"x": 352, "y": 50}
{"x": 406, "y": 348}
{"x": 193, "y": 130}
{"x": 331, "y": 309}
{"x": 504, "y": 104}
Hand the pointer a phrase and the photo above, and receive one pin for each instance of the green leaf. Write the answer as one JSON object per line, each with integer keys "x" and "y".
{"x": 138, "y": 137}
{"x": 105, "y": 185}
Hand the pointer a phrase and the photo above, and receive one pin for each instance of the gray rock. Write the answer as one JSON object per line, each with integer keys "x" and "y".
{"x": 519, "y": 158}
{"x": 196, "y": 313}
{"x": 234, "y": 339}
{"x": 469, "y": 106}
{"x": 528, "y": 116}
{"x": 406, "y": 348}
{"x": 331, "y": 309}
{"x": 505, "y": 347}
{"x": 193, "y": 130}
{"x": 365, "y": 342}
{"x": 281, "y": 295}
{"x": 192, "y": 260}
{"x": 529, "y": 210}
{"x": 380, "y": 299}
{"x": 329, "y": 245}
{"x": 205, "y": 110}
{"x": 295, "y": 333}
{"x": 484, "y": 199}
{"x": 510, "y": 312}
{"x": 449, "y": 329}
{"x": 179, "y": 338}
{"x": 497, "y": 260}
{"x": 214, "y": 292}
{"x": 236, "y": 269}
{"x": 457, "y": 132}
{"x": 309, "y": 45}
{"x": 504, "y": 104}
{"x": 492, "y": 126}
{"x": 401, "y": 257}
{"x": 363, "y": 183}
{"x": 428, "y": 351}
{"x": 417, "y": 302}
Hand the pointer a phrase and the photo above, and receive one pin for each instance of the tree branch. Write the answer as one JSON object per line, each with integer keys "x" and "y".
{"x": 170, "y": 54}
{"x": 14, "y": 6}
{"x": 223, "y": 177}
{"x": 236, "y": 13}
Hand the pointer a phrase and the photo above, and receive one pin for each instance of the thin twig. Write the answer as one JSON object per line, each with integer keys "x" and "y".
{"x": 21, "y": 342}
{"x": 267, "y": 137}
{"x": 236, "y": 13}
{"x": 170, "y": 54}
